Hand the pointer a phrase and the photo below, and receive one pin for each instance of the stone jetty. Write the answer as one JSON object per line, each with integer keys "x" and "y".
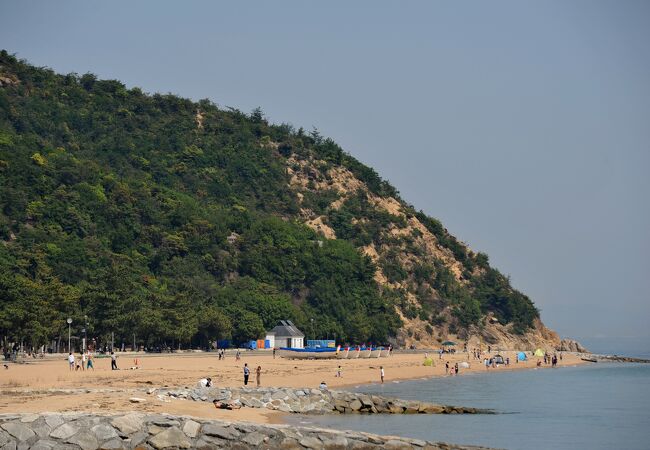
{"x": 48, "y": 431}
{"x": 314, "y": 401}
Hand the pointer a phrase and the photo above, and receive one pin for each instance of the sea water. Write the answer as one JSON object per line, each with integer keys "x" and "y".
{"x": 596, "y": 406}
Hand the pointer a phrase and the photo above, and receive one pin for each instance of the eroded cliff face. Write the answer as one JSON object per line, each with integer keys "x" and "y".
{"x": 403, "y": 244}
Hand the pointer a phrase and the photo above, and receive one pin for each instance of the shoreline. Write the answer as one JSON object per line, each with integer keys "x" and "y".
{"x": 31, "y": 384}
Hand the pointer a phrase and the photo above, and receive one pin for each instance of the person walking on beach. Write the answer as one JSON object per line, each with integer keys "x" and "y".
{"x": 338, "y": 372}
{"x": 273, "y": 352}
{"x": 71, "y": 361}
{"x": 447, "y": 368}
{"x": 381, "y": 373}
{"x": 258, "y": 375}
{"x": 456, "y": 369}
{"x": 83, "y": 361}
{"x": 89, "y": 363}
{"x": 113, "y": 361}
{"x": 247, "y": 373}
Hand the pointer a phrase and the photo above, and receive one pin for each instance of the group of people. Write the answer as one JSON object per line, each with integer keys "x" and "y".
{"x": 494, "y": 362}
{"x": 548, "y": 359}
{"x": 85, "y": 361}
{"x": 247, "y": 373}
{"x": 453, "y": 370}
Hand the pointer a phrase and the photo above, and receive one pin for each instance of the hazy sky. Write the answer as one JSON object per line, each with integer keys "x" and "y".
{"x": 524, "y": 126}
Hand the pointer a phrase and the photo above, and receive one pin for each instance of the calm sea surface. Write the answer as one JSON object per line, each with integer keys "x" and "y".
{"x": 599, "y": 406}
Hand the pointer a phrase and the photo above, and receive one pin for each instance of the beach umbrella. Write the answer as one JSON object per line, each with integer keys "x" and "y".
{"x": 448, "y": 343}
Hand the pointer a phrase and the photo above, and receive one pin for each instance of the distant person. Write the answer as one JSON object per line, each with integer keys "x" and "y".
{"x": 225, "y": 405}
{"x": 89, "y": 363}
{"x": 238, "y": 355}
{"x": 247, "y": 373}
{"x": 273, "y": 352}
{"x": 323, "y": 385}
{"x": 205, "y": 382}
{"x": 71, "y": 361}
{"x": 447, "y": 368}
{"x": 338, "y": 372}
{"x": 258, "y": 375}
{"x": 381, "y": 374}
{"x": 113, "y": 361}
{"x": 456, "y": 368}
{"x": 83, "y": 361}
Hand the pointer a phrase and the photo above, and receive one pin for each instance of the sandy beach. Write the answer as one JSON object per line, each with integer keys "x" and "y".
{"x": 31, "y": 387}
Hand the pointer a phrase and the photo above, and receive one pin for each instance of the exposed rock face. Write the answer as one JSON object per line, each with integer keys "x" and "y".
{"x": 409, "y": 244}
{"x": 105, "y": 434}
{"x": 569, "y": 345}
{"x": 317, "y": 401}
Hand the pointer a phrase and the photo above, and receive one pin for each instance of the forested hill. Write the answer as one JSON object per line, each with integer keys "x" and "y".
{"x": 182, "y": 222}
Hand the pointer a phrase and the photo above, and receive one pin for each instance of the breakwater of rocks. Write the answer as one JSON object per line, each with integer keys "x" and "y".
{"x": 49, "y": 431}
{"x": 617, "y": 358}
{"x": 315, "y": 401}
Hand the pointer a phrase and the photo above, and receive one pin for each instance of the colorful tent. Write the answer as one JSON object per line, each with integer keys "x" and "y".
{"x": 539, "y": 352}
{"x": 521, "y": 356}
{"x": 428, "y": 362}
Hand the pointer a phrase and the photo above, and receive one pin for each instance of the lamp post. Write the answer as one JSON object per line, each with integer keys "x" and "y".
{"x": 312, "y": 329}
{"x": 85, "y": 333}
{"x": 69, "y": 322}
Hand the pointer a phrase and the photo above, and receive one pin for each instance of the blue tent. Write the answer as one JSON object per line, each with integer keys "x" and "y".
{"x": 521, "y": 356}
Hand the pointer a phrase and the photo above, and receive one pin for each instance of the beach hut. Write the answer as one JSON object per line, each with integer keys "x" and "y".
{"x": 539, "y": 352}
{"x": 286, "y": 334}
{"x": 521, "y": 356}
